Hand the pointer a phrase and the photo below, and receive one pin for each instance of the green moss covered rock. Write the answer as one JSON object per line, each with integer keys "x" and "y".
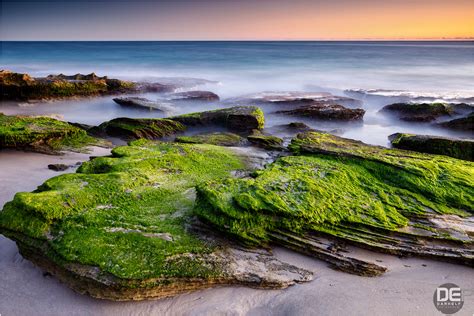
{"x": 130, "y": 128}
{"x": 237, "y": 119}
{"x": 457, "y": 148}
{"x": 122, "y": 226}
{"x": 218, "y": 138}
{"x": 383, "y": 199}
{"x": 418, "y": 112}
{"x": 16, "y": 86}
{"x": 265, "y": 141}
{"x": 41, "y": 134}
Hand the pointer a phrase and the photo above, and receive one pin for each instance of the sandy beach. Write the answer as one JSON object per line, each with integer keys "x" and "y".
{"x": 406, "y": 289}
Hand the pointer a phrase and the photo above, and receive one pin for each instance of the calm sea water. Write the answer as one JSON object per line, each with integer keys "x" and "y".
{"x": 250, "y": 67}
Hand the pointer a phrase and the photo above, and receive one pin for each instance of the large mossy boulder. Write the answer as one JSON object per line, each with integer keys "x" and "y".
{"x": 388, "y": 200}
{"x": 217, "y": 138}
{"x": 326, "y": 111}
{"x": 457, "y": 148}
{"x": 418, "y": 112}
{"x": 41, "y": 134}
{"x": 122, "y": 228}
{"x": 130, "y": 128}
{"x": 465, "y": 123}
{"x": 16, "y": 86}
{"x": 268, "y": 142}
{"x": 237, "y": 119}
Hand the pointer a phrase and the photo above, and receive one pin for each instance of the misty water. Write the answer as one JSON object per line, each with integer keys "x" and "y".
{"x": 429, "y": 71}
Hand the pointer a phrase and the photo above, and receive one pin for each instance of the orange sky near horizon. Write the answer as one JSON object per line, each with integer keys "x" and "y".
{"x": 237, "y": 20}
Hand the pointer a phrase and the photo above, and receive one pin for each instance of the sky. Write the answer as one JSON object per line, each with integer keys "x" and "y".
{"x": 235, "y": 20}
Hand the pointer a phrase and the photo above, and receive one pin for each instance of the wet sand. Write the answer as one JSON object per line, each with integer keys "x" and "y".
{"x": 406, "y": 289}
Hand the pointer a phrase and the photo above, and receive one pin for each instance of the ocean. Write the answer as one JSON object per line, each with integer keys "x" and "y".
{"x": 443, "y": 69}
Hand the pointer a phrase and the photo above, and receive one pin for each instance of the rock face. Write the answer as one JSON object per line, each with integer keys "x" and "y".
{"x": 145, "y": 104}
{"x": 295, "y": 98}
{"x": 326, "y": 111}
{"x": 418, "y": 112}
{"x": 338, "y": 190}
{"x": 219, "y": 139}
{"x": 463, "y": 124}
{"x": 457, "y": 148}
{"x": 41, "y": 134}
{"x": 268, "y": 142}
{"x": 121, "y": 228}
{"x": 195, "y": 96}
{"x": 15, "y": 86}
{"x": 129, "y": 128}
{"x": 238, "y": 119}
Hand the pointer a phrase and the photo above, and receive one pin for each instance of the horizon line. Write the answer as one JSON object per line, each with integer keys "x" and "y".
{"x": 440, "y": 39}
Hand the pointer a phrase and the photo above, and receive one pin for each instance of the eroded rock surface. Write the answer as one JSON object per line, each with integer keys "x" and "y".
{"x": 344, "y": 190}
{"x": 41, "y": 134}
{"x": 122, "y": 227}
{"x": 146, "y": 104}
{"x": 457, "y": 148}
{"x": 326, "y": 111}
{"x": 238, "y": 119}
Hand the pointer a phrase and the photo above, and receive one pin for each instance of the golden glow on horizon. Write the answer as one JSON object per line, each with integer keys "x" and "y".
{"x": 236, "y": 20}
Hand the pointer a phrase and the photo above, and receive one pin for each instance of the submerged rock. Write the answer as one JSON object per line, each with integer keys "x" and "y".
{"x": 265, "y": 141}
{"x": 58, "y": 167}
{"x": 326, "y": 111}
{"x": 239, "y": 118}
{"x": 41, "y": 134}
{"x": 457, "y": 148}
{"x": 144, "y": 103}
{"x": 16, "y": 86}
{"x": 338, "y": 189}
{"x": 463, "y": 124}
{"x": 130, "y": 128}
{"x": 418, "y": 112}
{"x": 122, "y": 227}
{"x": 218, "y": 138}
{"x": 195, "y": 96}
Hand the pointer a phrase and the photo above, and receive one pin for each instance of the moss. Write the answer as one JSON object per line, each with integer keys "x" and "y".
{"x": 41, "y": 134}
{"x": 21, "y": 86}
{"x": 130, "y": 128}
{"x": 126, "y": 214}
{"x": 239, "y": 118}
{"x": 266, "y": 141}
{"x": 220, "y": 139}
{"x": 339, "y": 187}
{"x": 457, "y": 148}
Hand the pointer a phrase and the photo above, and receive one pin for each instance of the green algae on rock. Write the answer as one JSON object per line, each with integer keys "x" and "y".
{"x": 130, "y": 128}
{"x": 218, "y": 138}
{"x": 457, "y": 148}
{"x": 265, "y": 141}
{"x": 383, "y": 199}
{"x": 121, "y": 227}
{"x": 16, "y": 86}
{"x": 238, "y": 119}
{"x": 41, "y": 134}
{"x": 419, "y": 112}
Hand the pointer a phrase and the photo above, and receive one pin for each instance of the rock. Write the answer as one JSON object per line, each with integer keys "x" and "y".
{"x": 326, "y": 111}
{"x": 297, "y": 127}
{"x": 16, "y": 86}
{"x": 410, "y": 96}
{"x": 41, "y": 134}
{"x": 457, "y": 148}
{"x": 122, "y": 227}
{"x": 144, "y": 103}
{"x": 268, "y": 142}
{"x": 463, "y": 124}
{"x": 238, "y": 119}
{"x": 219, "y": 139}
{"x": 130, "y": 128}
{"x": 418, "y": 112}
{"x": 58, "y": 167}
{"x": 335, "y": 189}
{"x": 195, "y": 96}
{"x": 295, "y": 98}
